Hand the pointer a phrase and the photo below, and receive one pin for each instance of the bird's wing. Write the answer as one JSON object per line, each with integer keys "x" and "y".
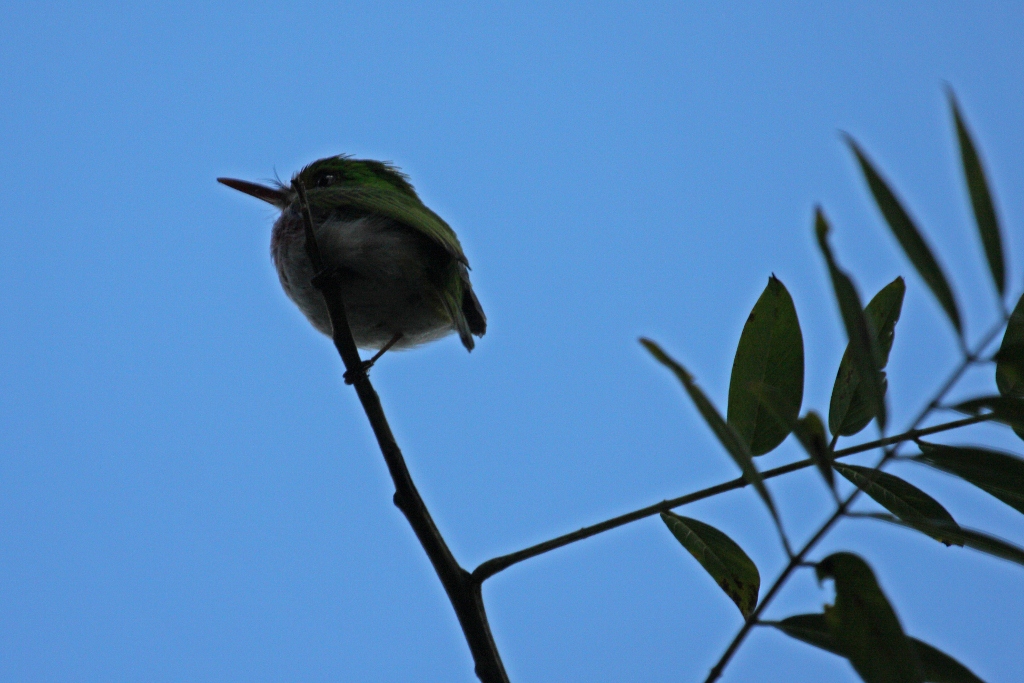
{"x": 405, "y": 209}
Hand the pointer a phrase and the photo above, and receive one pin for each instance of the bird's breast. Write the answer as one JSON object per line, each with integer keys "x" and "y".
{"x": 390, "y": 274}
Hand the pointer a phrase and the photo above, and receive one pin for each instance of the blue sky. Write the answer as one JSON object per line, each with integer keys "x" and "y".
{"x": 189, "y": 493}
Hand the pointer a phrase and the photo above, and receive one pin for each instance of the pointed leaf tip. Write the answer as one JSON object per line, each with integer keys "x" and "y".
{"x": 1010, "y": 358}
{"x": 903, "y": 499}
{"x": 999, "y": 474}
{"x": 850, "y": 408}
{"x": 909, "y": 237}
{"x": 821, "y": 226}
{"x": 767, "y": 383}
{"x": 1008, "y": 410}
{"x": 971, "y": 538}
{"x": 865, "y": 355}
{"x": 981, "y": 198}
{"x": 727, "y": 435}
{"x": 730, "y": 567}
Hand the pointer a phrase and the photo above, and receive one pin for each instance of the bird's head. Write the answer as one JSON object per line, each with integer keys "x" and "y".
{"x": 325, "y": 177}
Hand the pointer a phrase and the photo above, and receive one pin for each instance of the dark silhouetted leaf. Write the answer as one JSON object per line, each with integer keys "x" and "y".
{"x": 734, "y": 445}
{"x": 937, "y": 666}
{"x": 904, "y": 500}
{"x": 999, "y": 474}
{"x": 770, "y": 355}
{"x": 978, "y": 540}
{"x": 863, "y": 346}
{"x": 850, "y": 408}
{"x": 810, "y": 432}
{"x": 810, "y": 628}
{"x": 1006, "y": 409}
{"x": 1010, "y": 369}
{"x": 981, "y": 199}
{"x": 725, "y": 561}
{"x": 1010, "y": 358}
{"x": 909, "y": 238}
{"x": 863, "y": 624}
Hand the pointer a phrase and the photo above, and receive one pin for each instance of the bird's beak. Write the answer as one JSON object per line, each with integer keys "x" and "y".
{"x": 272, "y": 195}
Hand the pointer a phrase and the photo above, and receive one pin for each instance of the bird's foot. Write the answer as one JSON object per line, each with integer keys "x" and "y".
{"x": 350, "y": 377}
{"x": 365, "y": 365}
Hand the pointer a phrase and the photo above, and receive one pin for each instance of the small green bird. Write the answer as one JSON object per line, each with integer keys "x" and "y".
{"x": 404, "y": 277}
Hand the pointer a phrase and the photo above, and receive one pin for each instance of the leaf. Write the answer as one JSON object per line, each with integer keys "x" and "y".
{"x": 981, "y": 198}
{"x": 1006, "y": 409}
{"x": 1010, "y": 369}
{"x": 909, "y": 238}
{"x": 810, "y": 432}
{"x": 863, "y": 347}
{"x": 863, "y": 624}
{"x": 978, "y": 540}
{"x": 999, "y": 474}
{"x": 727, "y": 436}
{"x": 728, "y": 565}
{"x": 770, "y": 355}
{"x": 1010, "y": 358}
{"x": 904, "y": 500}
{"x": 810, "y": 628}
{"x": 850, "y": 408}
{"x": 937, "y": 666}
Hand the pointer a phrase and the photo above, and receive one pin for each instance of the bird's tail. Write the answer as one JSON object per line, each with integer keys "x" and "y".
{"x": 465, "y": 310}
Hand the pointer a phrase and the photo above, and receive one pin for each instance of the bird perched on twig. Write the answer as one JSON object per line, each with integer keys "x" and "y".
{"x": 404, "y": 277}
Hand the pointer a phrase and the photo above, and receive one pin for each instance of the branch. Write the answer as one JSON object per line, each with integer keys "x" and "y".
{"x": 497, "y": 564}
{"x": 463, "y": 592}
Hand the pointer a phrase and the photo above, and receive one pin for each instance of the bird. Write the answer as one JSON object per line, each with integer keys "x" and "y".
{"x": 404, "y": 277}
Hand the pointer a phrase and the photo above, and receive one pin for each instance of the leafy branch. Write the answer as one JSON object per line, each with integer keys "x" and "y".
{"x": 764, "y": 405}
{"x": 495, "y": 565}
{"x": 765, "y": 395}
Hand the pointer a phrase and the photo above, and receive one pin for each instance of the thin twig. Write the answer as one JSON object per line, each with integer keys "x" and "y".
{"x": 493, "y": 566}
{"x": 969, "y": 359}
{"x": 463, "y": 593}
{"x": 794, "y": 562}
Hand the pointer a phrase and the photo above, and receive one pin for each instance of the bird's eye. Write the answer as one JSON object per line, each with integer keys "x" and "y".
{"x": 325, "y": 180}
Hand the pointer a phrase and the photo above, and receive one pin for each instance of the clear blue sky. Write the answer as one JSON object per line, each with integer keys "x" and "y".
{"x": 189, "y": 493}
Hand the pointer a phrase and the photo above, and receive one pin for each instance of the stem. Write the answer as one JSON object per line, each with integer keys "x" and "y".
{"x": 969, "y": 359}
{"x": 497, "y": 564}
{"x": 794, "y": 562}
{"x": 463, "y": 592}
